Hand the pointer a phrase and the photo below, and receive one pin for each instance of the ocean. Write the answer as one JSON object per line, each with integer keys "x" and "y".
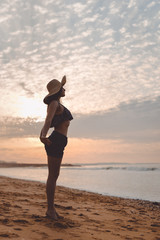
{"x": 136, "y": 181}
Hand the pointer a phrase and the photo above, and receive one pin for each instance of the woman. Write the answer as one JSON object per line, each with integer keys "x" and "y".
{"x": 58, "y": 117}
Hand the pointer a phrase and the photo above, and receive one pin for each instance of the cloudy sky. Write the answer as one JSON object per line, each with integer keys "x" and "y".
{"x": 109, "y": 53}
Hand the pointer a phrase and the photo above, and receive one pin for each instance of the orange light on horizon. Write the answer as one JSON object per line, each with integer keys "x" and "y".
{"x": 31, "y": 150}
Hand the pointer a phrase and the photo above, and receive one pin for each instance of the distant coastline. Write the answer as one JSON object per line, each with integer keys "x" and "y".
{"x": 14, "y": 164}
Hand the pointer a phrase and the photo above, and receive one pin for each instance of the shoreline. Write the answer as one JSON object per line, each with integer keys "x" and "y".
{"x": 87, "y": 191}
{"x": 86, "y": 215}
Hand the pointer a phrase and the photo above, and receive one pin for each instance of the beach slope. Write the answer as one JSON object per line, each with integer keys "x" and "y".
{"x": 86, "y": 215}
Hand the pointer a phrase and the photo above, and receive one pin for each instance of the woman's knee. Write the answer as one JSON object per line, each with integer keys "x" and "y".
{"x": 53, "y": 177}
{"x": 54, "y": 168}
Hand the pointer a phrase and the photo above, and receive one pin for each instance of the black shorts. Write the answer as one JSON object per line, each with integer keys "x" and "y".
{"x": 56, "y": 149}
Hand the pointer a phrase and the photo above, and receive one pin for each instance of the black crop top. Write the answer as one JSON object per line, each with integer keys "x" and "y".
{"x": 59, "y": 118}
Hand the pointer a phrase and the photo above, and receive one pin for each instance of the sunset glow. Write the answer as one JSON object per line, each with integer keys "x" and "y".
{"x": 31, "y": 108}
{"x": 108, "y": 51}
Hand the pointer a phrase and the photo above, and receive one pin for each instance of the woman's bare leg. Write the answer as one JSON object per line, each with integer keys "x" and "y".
{"x": 53, "y": 173}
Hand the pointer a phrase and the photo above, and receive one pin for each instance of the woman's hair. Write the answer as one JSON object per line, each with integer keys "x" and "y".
{"x": 55, "y": 96}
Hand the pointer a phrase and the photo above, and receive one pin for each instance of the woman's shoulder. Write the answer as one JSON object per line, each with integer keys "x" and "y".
{"x": 53, "y": 104}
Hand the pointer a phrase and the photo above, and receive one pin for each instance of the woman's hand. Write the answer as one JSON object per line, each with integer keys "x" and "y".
{"x": 63, "y": 80}
{"x": 45, "y": 140}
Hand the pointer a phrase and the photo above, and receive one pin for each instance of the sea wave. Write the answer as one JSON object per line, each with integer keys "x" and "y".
{"x": 110, "y": 168}
{"x": 133, "y": 168}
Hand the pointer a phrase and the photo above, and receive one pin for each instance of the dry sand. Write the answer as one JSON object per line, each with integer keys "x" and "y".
{"x": 86, "y": 215}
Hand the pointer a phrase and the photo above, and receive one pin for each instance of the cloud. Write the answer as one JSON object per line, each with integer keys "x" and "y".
{"x": 132, "y": 3}
{"x": 153, "y": 3}
{"x": 78, "y": 8}
{"x": 129, "y": 122}
{"x": 114, "y": 8}
{"x": 40, "y": 10}
{"x": 108, "y": 52}
{"x": 19, "y": 127}
{"x": 28, "y": 91}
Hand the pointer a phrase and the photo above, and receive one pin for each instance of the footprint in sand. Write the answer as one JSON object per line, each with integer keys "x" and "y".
{"x": 63, "y": 207}
{"x": 4, "y": 221}
{"x": 96, "y": 214}
{"x": 81, "y": 215}
{"x": 9, "y": 235}
{"x": 16, "y": 206}
{"x": 6, "y": 204}
{"x": 62, "y": 224}
{"x": 37, "y": 218}
{"x": 21, "y": 221}
{"x": 155, "y": 225}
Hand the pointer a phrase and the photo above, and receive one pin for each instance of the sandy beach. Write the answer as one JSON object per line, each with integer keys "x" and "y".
{"x": 86, "y": 215}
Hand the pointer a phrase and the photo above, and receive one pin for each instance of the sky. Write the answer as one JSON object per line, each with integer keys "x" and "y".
{"x": 109, "y": 52}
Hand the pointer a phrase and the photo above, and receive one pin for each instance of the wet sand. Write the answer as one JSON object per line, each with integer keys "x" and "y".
{"x": 87, "y": 216}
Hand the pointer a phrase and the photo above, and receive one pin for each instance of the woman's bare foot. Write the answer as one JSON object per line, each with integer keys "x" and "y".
{"x": 59, "y": 216}
{"x": 52, "y": 214}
